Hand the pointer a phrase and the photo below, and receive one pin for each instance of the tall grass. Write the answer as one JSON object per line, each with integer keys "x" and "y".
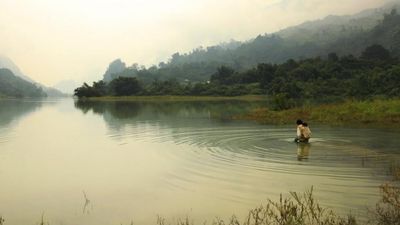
{"x": 297, "y": 209}
{"x": 387, "y": 210}
{"x": 302, "y": 209}
{"x": 385, "y": 112}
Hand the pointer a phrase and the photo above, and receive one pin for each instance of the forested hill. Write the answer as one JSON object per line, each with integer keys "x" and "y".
{"x": 343, "y": 35}
{"x": 6, "y": 62}
{"x": 13, "y": 86}
{"x": 375, "y": 74}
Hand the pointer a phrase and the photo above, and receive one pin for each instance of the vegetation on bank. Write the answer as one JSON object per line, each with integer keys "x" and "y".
{"x": 303, "y": 209}
{"x": 374, "y": 74}
{"x": 384, "y": 112}
{"x": 341, "y": 34}
{"x": 177, "y": 98}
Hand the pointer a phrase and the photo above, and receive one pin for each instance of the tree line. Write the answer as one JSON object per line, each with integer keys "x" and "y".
{"x": 347, "y": 35}
{"x": 375, "y": 73}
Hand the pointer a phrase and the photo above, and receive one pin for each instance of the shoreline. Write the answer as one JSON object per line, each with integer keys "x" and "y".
{"x": 178, "y": 98}
{"x": 376, "y": 113}
{"x": 380, "y": 113}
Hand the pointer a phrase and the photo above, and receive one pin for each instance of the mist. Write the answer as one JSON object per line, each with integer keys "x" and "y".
{"x": 52, "y": 41}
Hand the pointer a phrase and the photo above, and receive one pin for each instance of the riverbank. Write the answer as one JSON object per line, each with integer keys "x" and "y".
{"x": 297, "y": 208}
{"x": 378, "y": 112}
{"x": 178, "y": 98}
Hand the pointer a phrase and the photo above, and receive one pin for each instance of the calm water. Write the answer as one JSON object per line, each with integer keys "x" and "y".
{"x": 114, "y": 162}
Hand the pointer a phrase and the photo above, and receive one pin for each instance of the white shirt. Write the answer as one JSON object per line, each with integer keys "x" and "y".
{"x": 298, "y": 130}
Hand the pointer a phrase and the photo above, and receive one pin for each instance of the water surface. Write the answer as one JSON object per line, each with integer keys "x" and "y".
{"x": 113, "y": 162}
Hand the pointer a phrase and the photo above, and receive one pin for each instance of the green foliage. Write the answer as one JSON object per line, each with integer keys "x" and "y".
{"x": 281, "y": 102}
{"x": 224, "y": 76}
{"x": 361, "y": 64}
{"x": 125, "y": 86}
{"x": 289, "y": 84}
{"x": 376, "y": 52}
{"x": 13, "y": 86}
{"x": 342, "y": 35}
{"x": 379, "y": 112}
{"x": 86, "y": 91}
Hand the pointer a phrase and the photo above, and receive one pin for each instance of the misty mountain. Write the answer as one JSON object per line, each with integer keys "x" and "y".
{"x": 9, "y": 64}
{"x": 115, "y": 67}
{"x": 5, "y": 62}
{"x": 344, "y": 35}
{"x": 13, "y": 86}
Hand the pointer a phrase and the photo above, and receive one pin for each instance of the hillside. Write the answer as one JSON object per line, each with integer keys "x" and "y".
{"x": 5, "y": 62}
{"x": 343, "y": 35}
{"x": 13, "y": 86}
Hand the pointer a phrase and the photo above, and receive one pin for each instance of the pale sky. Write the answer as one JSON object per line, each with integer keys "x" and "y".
{"x": 54, "y": 40}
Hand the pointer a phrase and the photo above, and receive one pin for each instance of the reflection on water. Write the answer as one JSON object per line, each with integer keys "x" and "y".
{"x": 87, "y": 206}
{"x": 120, "y": 110}
{"x": 303, "y": 151}
{"x": 136, "y": 160}
{"x": 11, "y": 111}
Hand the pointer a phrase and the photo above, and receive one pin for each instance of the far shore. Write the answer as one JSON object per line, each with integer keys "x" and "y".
{"x": 382, "y": 112}
{"x": 178, "y": 98}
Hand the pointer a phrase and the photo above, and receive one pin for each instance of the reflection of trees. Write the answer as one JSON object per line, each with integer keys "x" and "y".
{"x": 156, "y": 109}
{"x": 11, "y": 110}
{"x": 118, "y": 114}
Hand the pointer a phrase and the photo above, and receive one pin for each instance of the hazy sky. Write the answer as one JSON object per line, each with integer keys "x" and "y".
{"x": 53, "y": 40}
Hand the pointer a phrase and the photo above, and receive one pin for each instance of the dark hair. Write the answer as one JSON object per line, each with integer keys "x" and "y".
{"x": 305, "y": 124}
{"x": 299, "y": 121}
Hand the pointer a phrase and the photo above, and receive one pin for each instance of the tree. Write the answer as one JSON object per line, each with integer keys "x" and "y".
{"x": 333, "y": 57}
{"x": 125, "y": 86}
{"x": 265, "y": 73}
{"x": 223, "y": 75}
{"x": 85, "y": 91}
{"x": 376, "y": 52}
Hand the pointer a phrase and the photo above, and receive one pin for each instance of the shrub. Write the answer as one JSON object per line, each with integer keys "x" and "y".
{"x": 387, "y": 210}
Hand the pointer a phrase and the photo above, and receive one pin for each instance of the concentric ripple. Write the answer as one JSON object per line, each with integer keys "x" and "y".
{"x": 235, "y": 160}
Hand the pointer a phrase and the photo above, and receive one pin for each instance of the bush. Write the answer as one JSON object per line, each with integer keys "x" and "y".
{"x": 387, "y": 210}
{"x": 298, "y": 209}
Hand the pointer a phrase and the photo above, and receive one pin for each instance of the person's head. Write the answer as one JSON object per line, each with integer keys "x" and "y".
{"x": 305, "y": 124}
{"x": 299, "y": 122}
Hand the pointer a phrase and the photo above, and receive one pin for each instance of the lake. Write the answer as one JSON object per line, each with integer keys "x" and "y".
{"x": 98, "y": 163}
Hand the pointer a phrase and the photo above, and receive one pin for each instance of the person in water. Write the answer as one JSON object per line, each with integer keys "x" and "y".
{"x": 303, "y": 132}
{"x": 299, "y": 124}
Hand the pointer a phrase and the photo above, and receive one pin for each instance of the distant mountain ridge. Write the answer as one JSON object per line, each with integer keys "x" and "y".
{"x": 343, "y": 35}
{"x": 7, "y": 63}
{"x": 14, "y": 86}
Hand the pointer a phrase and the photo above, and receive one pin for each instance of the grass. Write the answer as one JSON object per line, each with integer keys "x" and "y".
{"x": 387, "y": 210}
{"x": 179, "y": 98}
{"x": 298, "y": 209}
{"x": 303, "y": 209}
{"x": 385, "y": 112}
